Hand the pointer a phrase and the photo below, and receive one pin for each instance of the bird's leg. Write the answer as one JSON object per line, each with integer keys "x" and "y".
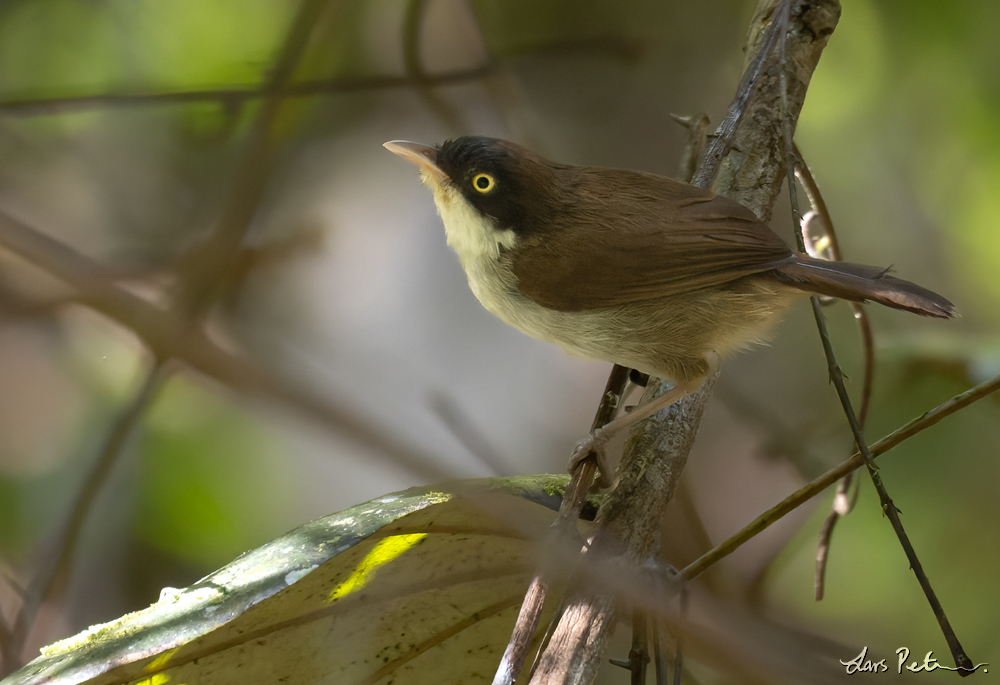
{"x": 598, "y": 438}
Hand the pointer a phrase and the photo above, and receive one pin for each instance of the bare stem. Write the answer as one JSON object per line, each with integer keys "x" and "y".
{"x": 837, "y": 378}
{"x": 816, "y": 486}
{"x": 842, "y": 503}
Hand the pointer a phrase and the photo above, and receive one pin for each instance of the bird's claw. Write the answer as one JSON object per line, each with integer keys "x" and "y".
{"x": 593, "y": 446}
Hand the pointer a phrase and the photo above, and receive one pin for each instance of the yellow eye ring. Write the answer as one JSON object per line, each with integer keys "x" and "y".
{"x": 483, "y": 183}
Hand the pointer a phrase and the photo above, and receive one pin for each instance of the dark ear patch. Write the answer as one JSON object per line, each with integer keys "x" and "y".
{"x": 507, "y": 183}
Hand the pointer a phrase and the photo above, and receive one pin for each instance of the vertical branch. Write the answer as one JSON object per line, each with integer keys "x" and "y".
{"x": 657, "y": 450}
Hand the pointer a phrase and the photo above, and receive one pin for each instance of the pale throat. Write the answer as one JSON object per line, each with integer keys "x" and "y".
{"x": 472, "y": 235}
{"x": 485, "y": 257}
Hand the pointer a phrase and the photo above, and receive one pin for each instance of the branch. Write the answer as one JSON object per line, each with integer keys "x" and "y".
{"x": 235, "y": 97}
{"x": 827, "y": 246}
{"x": 170, "y": 336}
{"x": 562, "y": 531}
{"x": 207, "y": 268}
{"x": 962, "y": 660}
{"x": 232, "y": 97}
{"x": 813, "y": 488}
{"x": 657, "y": 450}
{"x": 207, "y": 271}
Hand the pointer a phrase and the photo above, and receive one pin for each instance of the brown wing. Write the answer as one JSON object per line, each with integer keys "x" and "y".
{"x": 623, "y": 236}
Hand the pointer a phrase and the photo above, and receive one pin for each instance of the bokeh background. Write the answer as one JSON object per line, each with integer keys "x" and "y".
{"x": 126, "y": 126}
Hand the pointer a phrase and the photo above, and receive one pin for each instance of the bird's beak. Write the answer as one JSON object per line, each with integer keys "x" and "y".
{"x": 423, "y": 156}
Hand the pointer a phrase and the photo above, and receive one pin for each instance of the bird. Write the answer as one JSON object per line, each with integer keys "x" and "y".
{"x": 625, "y": 266}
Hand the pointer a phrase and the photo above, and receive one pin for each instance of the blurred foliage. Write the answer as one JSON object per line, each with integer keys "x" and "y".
{"x": 923, "y": 79}
{"x": 524, "y": 27}
{"x": 208, "y": 486}
{"x": 901, "y": 127}
{"x": 64, "y": 47}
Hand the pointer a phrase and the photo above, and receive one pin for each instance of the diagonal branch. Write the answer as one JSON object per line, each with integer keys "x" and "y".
{"x": 209, "y": 265}
{"x": 816, "y": 486}
{"x": 830, "y": 247}
{"x": 172, "y": 337}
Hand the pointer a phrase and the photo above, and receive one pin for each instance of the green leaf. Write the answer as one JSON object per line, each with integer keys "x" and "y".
{"x": 421, "y": 586}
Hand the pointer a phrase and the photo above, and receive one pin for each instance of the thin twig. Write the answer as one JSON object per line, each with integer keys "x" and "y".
{"x": 233, "y": 97}
{"x": 818, "y": 203}
{"x": 638, "y": 655}
{"x": 694, "y": 152}
{"x": 611, "y": 400}
{"x": 660, "y": 668}
{"x": 681, "y": 622}
{"x": 825, "y": 535}
{"x": 608, "y": 408}
{"x": 816, "y": 486}
{"x": 169, "y": 336}
{"x": 236, "y": 97}
{"x": 962, "y": 660}
{"x": 413, "y": 63}
{"x": 465, "y": 430}
{"x": 842, "y": 502}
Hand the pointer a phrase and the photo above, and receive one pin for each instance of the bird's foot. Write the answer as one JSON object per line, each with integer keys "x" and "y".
{"x": 593, "y": 447}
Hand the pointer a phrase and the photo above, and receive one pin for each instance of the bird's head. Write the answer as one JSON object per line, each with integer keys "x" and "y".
{"x": 510, "y": 186}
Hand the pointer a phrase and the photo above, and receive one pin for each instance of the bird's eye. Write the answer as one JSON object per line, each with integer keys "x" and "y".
{"x": 484, "y": 183}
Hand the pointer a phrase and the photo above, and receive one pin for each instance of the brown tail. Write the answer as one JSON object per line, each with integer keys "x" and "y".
{"x": 860, "y": 283}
